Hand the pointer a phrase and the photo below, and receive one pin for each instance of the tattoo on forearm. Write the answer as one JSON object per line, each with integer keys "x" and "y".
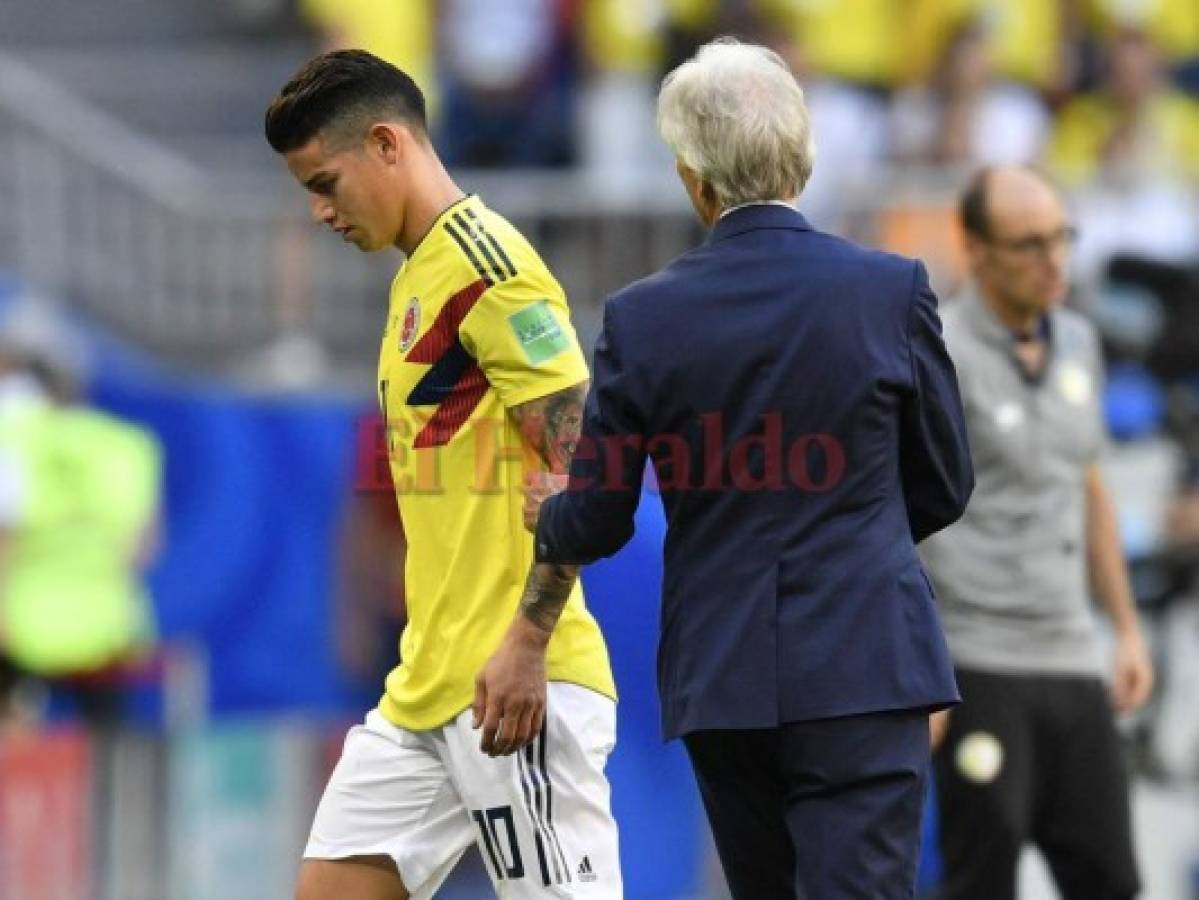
{"x": 552, "y": 425}
{"x": 563, "y": 423}
{"x": 546, "y": 592}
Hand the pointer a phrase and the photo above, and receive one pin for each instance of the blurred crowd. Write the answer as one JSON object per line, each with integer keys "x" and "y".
{"x": 1104, "y": 93}
{"x": 1087, "y": 85}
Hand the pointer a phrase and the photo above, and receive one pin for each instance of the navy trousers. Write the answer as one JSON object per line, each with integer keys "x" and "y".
{"x": 828, "y": 809}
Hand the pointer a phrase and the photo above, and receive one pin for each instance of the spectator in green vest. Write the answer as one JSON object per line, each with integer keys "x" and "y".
{"x": 79, "y": 493}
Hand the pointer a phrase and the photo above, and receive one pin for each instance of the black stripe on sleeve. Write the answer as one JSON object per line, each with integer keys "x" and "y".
{"x": 481, "y": 246}
{"x": 470, "y": 254}
{"x": 495, "y": 245}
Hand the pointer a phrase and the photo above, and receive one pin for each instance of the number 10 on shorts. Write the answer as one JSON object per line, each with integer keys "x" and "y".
{"x": 503, "y": 853}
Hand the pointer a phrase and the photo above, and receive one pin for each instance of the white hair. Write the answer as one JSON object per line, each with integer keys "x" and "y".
{"x": 735, "y": 115}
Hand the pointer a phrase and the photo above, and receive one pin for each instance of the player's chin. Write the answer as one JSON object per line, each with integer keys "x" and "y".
{"x": 363, "y": 242}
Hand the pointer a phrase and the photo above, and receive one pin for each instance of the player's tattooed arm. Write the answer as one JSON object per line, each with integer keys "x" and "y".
{"x": 551, "y": 425}
{"x": 546, "y": 592}
{"x": 510, "y": 689}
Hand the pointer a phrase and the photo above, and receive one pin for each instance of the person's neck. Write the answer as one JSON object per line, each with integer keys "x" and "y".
{"x": 438, "y": 193}
{"x": 1016, "y": 319}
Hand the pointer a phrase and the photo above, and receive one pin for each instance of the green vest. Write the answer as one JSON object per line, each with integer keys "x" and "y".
{"x": 70, "y": 593}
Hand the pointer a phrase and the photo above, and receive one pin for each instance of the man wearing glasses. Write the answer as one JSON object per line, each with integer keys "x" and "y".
{"x": 1032, "y": 753}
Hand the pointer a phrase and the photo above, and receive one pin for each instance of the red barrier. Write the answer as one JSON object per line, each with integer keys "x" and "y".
{"x": 45, "y": 817}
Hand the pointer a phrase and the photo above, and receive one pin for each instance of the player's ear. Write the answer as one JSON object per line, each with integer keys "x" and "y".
{"x": 703, "y": 195}
{"x": 385, "y": 142}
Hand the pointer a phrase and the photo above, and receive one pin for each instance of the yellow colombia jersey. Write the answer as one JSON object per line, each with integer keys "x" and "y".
{"x": 477, "y": 325}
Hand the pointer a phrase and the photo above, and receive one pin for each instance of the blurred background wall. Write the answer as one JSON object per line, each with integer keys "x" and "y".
{"x": 163, "y": 251}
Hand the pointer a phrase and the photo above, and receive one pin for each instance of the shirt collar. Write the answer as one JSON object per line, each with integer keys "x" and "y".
{"x": 789, "y": 204}
{"x": 753, "y": 216}
{"x": 981, "y": 319}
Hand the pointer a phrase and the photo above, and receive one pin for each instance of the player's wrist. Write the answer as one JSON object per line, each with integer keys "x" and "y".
{"x": 529, "y": 632}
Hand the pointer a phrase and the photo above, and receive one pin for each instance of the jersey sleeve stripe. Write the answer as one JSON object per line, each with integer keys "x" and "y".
{"x": 481, "y": 247}
{"x": 470, "y": 254}
{"x": 494, "y": 243}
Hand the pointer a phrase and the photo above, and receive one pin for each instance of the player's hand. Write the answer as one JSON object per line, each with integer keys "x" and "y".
{"x": 539, "y": 487}
{"x": 510, "y": 691}
{"x": 1132, "y": 677}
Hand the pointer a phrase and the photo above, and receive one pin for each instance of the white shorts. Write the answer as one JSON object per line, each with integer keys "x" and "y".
{"x": 541, "y": 817}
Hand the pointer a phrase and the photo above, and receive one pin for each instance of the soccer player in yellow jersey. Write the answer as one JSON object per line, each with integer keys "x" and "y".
{"x": 481, "y": 382}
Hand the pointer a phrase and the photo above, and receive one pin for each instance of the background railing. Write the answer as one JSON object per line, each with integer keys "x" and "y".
{"x": 219, "y": 269}
{"x": 222, "y": 270}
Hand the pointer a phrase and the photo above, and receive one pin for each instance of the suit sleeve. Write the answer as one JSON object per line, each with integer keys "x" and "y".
{"x": 593, "y": 518}
{"x": 935, "y": 465}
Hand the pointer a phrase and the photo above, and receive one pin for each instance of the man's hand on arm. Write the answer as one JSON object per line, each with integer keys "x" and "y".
{"x": 551, "y": 425}
{"x": 1132, "y": 673}
{"x": 539, "y": 487}
{"x": 510, "y": 690}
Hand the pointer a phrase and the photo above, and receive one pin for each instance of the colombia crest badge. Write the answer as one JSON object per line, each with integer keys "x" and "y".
{"x": 410, "y": 325}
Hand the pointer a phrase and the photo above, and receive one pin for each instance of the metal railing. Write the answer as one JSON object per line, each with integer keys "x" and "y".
{"x": 219, "y": 269}
{"x": 213, "y": 269}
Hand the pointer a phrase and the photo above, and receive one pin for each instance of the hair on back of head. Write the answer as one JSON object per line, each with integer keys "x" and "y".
{"x": 972, "y": 208}
{"x": 735, "y": 115}
{"x": 340, "y": 94}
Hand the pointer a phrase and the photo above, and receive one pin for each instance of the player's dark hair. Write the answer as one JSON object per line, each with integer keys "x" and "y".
{"x": 344, "y": 91}
{"x": 972, "y": 209}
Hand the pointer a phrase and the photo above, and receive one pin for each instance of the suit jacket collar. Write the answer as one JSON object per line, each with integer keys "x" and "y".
{"x": 759, "y": 215}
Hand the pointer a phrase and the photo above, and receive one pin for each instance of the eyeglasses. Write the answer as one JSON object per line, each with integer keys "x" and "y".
{"x": 1035, "y": 245}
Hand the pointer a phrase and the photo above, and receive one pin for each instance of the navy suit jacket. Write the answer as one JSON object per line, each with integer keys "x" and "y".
{"x": 802, "y": 415}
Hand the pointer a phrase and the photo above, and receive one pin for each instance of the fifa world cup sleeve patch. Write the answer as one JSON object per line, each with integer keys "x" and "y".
{"x": 538, "y": 332}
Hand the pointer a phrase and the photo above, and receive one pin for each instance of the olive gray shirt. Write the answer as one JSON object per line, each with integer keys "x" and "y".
{"x": 1011, "y": 575}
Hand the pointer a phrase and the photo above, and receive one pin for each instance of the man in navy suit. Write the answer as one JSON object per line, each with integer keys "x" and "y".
{"x": 796, "y": 400}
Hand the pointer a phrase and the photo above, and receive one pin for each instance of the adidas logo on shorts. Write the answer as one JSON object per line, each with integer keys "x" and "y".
{"x": 586, "y": 873}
